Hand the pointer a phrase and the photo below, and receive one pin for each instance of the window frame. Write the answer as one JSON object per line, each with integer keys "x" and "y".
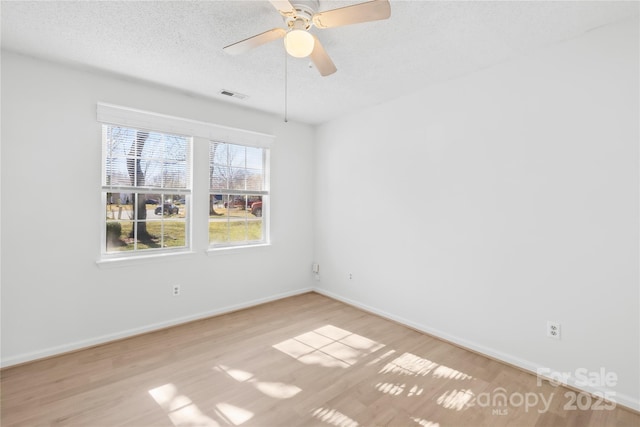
{"x": 199, "y": 132}
{"x": 108, "y": 188}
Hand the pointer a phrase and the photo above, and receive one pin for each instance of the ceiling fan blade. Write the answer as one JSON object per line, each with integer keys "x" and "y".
{"x": 284, "y": 7}
{"x": 362, "y": 12}
{"x": 255, "y": 41}
{"x": 321, "y": 60}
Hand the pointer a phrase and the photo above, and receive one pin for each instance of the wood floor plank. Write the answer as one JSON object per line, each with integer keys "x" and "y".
{"x": 302, "y": 361}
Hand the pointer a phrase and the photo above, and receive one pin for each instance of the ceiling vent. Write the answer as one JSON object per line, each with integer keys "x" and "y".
{"x": 233, "y": 94}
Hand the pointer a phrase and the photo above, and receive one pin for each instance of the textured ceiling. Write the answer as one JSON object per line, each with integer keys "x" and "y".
{"x": 179, "y": 44}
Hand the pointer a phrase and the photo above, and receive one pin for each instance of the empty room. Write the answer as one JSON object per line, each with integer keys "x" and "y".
{"x": 320, "y": 213}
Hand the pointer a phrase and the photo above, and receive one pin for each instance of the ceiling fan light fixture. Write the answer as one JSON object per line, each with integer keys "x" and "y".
{"x": 299, "y": 43}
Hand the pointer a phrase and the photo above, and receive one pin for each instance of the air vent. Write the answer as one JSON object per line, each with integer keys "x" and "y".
{"x": 233, "y": 94}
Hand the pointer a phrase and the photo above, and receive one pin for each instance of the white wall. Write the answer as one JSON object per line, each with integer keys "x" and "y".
{"x": 482, "y": 207}
{"x": 54, "y": 296}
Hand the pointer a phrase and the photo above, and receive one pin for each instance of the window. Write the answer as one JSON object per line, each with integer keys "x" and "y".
{"x": 146, "y": 189}
{"x": 154, "y": 170}
{"x": 238, "y": 194}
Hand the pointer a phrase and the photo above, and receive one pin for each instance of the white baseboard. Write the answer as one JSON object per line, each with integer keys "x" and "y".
{"x": 527, "y": 365}
{"x": 78, "y": 345}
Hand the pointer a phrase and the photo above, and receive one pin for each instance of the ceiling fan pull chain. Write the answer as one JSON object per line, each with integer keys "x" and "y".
{"x": 285, "y": 87}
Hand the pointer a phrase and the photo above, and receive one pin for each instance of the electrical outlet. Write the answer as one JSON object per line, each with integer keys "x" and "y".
{"x": 175, "y": 291}
{"x": 553, "y": 330}
{"x": 350, "y": 276}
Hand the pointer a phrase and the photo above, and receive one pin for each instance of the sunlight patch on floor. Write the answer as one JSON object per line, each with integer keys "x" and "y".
{"x": 415, "y": 391}
{"x": 398, "y": 389}
{"x": 180, "y": 409}
{"x": 446, "y": 372}
{"x": 412, "y": 365}
{"x": 389, "y": 388}
{"x": 233, "y": 413}
{"x": 277, "y": 390}
{"x": 334, "y": 417}
{"x": 322, "y": 359}
{"x": 237, "y": 374}
{"x": 456, "y": 399}
{"x": 425, "y": 423}
{"x": 328, "y": 346}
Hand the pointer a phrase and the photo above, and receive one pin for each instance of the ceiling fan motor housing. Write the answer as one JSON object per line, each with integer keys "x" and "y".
{"x": 303, "y": 18}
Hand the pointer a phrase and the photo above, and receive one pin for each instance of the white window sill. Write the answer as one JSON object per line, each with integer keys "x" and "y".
{"x": 226, "y": 250}
{"x": 139, "y": 260}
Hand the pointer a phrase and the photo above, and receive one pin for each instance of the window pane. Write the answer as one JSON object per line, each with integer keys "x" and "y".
{"x": 151, "y": 175}
{"x": 218, "y": 230}
{"x": 255, "y": 158}
{"x": 119, "y": 206}
{"x": 174, "y": 175}
{"x": 218, "y": 153}
{"x": 254, "y": 229}
{"x": 175, "y": 233}
{"x": 116, "y": 172}
{"x": 237, "y": 155}
{"x": 166, "y": 233}
{"x": 254, "y": 180}
{"x": 215, "y": 204}
{"x": 237, "y": 179}
{"x": 117, "y": 236}
{"x": 219, "y": 177}
{"x": 146, "y": 238}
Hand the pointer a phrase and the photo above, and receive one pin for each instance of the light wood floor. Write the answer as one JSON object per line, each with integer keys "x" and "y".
{"x": 302, "y": 361}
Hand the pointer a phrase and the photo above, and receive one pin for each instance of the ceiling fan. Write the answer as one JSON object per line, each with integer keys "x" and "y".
{"x": 300, "y": 16}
